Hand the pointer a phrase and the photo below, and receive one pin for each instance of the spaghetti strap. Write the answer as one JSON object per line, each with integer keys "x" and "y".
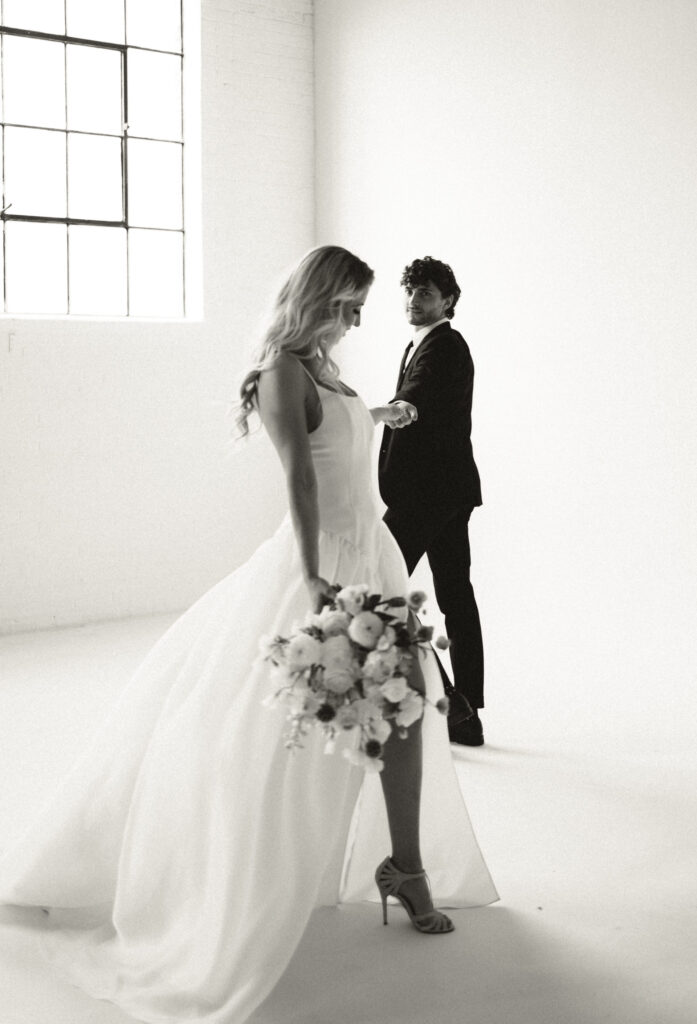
{"x": 317, "y": 394}
{"x": 314, "y": 382}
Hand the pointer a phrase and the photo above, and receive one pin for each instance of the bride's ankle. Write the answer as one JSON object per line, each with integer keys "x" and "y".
{"x": 408, "y": 866}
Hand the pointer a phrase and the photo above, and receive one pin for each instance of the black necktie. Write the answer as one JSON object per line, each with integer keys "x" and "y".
{"x": 403, "y": 364}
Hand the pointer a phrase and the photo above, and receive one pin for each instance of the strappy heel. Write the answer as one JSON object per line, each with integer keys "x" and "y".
{"x": 389, "y": 879}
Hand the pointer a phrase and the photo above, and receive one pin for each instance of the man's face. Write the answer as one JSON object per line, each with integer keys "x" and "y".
{"x": 425, "y": 304}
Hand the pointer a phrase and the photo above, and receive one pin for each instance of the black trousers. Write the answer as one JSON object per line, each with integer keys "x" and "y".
{"x": 445, "y": 542}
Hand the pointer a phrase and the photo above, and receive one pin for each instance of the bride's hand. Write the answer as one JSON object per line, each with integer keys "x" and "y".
{"x": 321, "y": 592}
{"x": 400, "y": 414}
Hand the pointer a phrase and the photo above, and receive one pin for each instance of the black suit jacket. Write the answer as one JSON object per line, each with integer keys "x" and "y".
{"x": 429, "y": 464}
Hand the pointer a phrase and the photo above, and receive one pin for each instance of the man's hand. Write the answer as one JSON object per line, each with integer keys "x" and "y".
{"x": 400, "y": 414}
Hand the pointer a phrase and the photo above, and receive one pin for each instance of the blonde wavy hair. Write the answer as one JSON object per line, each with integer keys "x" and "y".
{"x": 306, "y": 319}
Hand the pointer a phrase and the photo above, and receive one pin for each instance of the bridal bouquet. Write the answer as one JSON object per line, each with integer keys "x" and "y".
{"x": 346, "y": 669}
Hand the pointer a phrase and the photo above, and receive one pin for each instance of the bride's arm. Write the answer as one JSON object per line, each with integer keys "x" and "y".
{"x": 281, "y": 398}
{"x": 396, "y": 414}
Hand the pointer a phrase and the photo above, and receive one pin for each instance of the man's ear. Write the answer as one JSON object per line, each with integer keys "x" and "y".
{"x": 449, "y": 301}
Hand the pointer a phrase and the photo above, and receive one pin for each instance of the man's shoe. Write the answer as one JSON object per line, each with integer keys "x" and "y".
{"x": 468, "y": 733}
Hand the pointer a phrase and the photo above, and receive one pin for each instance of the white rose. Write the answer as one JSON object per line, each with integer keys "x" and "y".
{"x": 335, "y": 622}
{"x": 373, "y": 693}
{"x": 303, "y": 651}
{"x": 381, "y": 730}
{"x": 411, "y": 709}
{"x": 337, "y": 653}
{"x": 330, "y": 620}
{"x": 366, "y": 628}
{"x": 395, "y": 689}
{"x": 338, "y": 680}
{"x": 351, "y": 599}
{"x": 339, "y": 668}
{"x": 379, "y": 665}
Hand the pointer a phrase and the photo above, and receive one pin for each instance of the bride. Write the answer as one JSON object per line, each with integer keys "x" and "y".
{"x": 175, "y": 870}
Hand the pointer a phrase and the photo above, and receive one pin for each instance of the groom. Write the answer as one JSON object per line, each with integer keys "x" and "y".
{"x": 428, "y": 477}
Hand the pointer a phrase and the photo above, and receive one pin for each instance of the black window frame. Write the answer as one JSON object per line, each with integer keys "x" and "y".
{"x": 7, "y": 216}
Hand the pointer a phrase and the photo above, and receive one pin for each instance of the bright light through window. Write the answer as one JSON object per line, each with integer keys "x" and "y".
{"x": 99, "y": 185}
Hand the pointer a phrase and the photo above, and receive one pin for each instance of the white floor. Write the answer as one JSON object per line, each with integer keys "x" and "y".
{"x": 590, "y": 835}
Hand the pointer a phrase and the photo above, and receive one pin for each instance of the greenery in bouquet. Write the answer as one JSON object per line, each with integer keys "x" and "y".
{"x": 347, "y": 669}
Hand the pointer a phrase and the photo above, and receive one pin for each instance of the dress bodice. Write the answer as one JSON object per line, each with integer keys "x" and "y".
{"x": 342, "y": 455}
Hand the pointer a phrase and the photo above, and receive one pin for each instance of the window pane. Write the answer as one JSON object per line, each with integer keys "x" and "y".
{"x": 94, "y": 90}
{"x": 96, "y": 19}
{"x": 98, "y": 271}
{"x": 95, "y": 189}
{"x": 154, "y": 184}
{"x": 36, "y": 271}
{"x": 34, "y": 82}
{"x": 35, "y": 172}
{"x": 40, "y": 15}
{"x": 154, "y": 23}
{"x": 156, "y": 273}
{"x": 154, "y": 95}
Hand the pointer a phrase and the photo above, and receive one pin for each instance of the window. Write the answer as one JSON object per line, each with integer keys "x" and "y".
{"x": 96, "y": 173}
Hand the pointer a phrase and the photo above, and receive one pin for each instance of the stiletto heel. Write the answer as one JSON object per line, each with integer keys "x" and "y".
{"x": 389, "y": 879}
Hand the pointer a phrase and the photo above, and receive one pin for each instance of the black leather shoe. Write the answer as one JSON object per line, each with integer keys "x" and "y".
{"x": 468, "y": 733}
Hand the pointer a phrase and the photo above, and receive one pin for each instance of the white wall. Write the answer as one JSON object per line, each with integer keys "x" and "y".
{"x": 118, "y": 496}
{"x": 548, "y": 151}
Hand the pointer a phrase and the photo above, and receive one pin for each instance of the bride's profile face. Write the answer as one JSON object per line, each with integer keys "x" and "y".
{"x": 351, "y": 311}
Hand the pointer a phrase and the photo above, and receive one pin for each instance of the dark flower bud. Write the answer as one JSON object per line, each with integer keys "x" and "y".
{"x": 325, "y": 713}
{"x": 373, "y": 748}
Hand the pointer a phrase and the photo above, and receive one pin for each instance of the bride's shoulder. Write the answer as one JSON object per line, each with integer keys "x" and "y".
{"x": 285, "y": 380}
{"x": 284, "y": 368}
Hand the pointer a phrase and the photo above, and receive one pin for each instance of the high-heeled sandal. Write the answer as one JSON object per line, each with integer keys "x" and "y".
{"x": 389, "y": 879}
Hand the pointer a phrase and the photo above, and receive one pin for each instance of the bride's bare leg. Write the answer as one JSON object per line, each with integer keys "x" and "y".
{"x": 401, "y": 785}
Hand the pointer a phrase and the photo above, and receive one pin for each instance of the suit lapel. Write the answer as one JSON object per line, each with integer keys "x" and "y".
{"x": 406, "y": 370}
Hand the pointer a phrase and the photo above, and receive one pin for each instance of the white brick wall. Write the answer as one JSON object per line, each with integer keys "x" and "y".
{"x": 118, "y": 497}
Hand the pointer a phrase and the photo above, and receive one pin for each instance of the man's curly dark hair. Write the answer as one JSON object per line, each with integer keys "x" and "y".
{"x": 440, "y": 274}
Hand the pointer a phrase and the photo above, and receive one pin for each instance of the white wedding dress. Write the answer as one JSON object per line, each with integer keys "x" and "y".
{"x": 182, "y": 857}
